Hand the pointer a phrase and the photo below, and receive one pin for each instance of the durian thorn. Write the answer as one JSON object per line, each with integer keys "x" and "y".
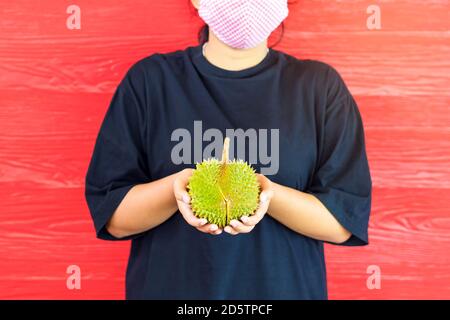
{"x": 225, "y": 156}
{"x": 225, "y": 151}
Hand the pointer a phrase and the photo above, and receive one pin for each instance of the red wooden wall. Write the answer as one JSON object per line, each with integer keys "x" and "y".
{"x": 56, "y": 83}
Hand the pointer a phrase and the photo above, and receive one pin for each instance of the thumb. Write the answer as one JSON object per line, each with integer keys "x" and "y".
{"x": 266, "y": 195}
{"x": 182, "y": 195}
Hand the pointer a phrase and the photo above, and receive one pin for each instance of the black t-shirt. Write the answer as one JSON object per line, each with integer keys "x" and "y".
{"x": 309, "y": 136}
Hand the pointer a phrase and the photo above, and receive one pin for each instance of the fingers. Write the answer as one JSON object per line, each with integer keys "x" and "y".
{"x": 246, "y": 223}
{"x": 210, "y": 228}
{"x": 189, "y": 216}
{"x": 263, "y": 206}
{"x": 236, "y": 227}
{"x": 230, "y": 230}
{"x": 200, "y": 223}
{"x": 179, "y": 189}
{"x": 183, "y": 201}
{"x": 267, "y": 192}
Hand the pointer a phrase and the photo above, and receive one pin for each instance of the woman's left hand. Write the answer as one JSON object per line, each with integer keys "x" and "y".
{"x": 247, "y": 223}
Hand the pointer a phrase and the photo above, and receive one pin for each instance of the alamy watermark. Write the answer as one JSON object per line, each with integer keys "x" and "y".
{"x": 374, "y": 280}
{"x": 73, "y": 281}
{"x": 374, "y": 20}
{"x": 256, "y": 140}
{"x": 73, "y": 21}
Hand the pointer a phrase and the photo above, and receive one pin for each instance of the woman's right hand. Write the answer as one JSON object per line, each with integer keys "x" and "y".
{"x": 183, "y": 202}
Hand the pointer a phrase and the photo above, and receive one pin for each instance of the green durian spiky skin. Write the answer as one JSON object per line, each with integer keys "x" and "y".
{"x": 221, "y": 192}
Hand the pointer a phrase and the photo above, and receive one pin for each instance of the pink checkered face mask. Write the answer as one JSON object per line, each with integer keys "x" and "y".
{"x": 243, "y": 24}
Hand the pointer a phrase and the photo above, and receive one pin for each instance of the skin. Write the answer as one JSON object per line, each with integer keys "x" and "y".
{"x": 148, "y": 205}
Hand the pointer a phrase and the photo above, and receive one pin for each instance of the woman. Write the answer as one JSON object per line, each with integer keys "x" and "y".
{"x": 316, "y": 188}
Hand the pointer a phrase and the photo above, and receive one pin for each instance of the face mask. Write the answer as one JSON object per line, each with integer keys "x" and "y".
{"x": 243, "y": 24}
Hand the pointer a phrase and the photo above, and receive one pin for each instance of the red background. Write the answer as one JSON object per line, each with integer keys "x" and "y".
{"x": 55, "y": 86}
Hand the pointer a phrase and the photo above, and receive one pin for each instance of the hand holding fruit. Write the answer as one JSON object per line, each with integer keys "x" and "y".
{"x": 223, "y": 193}
{"x": 183, "y": 202}
{"x": 246, "y": 223}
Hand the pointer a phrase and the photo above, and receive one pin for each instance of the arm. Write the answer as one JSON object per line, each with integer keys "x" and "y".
{"x": 148, "y": 205}
{"x": 305, "y": 214}
{"x": 340, "y": 191}
{"x": 299, "y": 211}
{"x": 144, "y": 207}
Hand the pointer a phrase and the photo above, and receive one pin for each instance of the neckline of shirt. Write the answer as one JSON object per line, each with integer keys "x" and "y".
{"x": 208, "y": 68}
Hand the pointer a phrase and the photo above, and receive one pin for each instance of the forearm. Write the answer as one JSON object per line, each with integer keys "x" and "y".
{"x": 144, "y": 207}
{"x": 305, "y": 214}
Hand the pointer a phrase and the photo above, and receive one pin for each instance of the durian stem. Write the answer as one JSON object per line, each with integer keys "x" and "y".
{"x": 225, "y": 151}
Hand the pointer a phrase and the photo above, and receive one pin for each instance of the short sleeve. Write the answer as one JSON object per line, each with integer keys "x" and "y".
{"x": 342, "y": 180}
{"x": 119, "y": 159}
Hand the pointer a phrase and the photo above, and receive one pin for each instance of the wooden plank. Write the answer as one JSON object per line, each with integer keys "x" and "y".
{"x": 409, "y": 157}
{"x": 56, "y": 84}
{"x": 404, "y": 112}
{"x": 52, "y": 147}
{"x": 380, "y": 64}
{"x": 396, "y": 15}
{"x": 177, "y": 19}
{"x": 372, "y": 64}
{"x": 83, "y": 111}
{"x": 409, "y": 240}
{"x": 44, "y": 230}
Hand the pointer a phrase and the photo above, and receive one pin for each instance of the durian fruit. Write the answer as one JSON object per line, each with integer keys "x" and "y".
{"x": 224, "y": 190}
